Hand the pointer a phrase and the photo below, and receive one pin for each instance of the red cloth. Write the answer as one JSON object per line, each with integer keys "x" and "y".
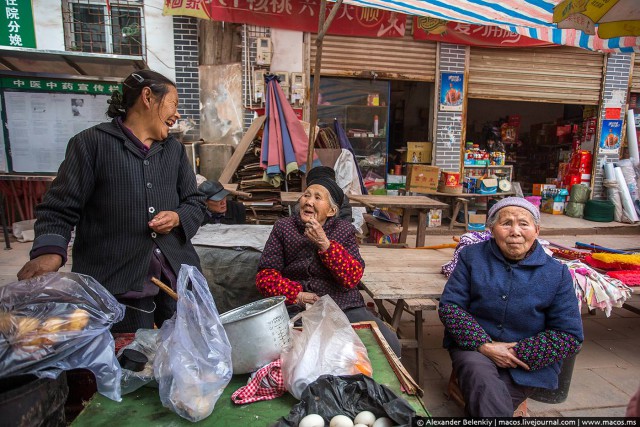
{"x": 267, "y": 384}
{"x": 609, "y": 265}
{"x": 628, "y": 277}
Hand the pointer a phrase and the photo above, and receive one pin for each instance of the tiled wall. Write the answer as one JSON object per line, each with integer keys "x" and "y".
{"x": 449, "y": 124}
{"x": 185, "y": 30}
{"x": 616, "y": 83}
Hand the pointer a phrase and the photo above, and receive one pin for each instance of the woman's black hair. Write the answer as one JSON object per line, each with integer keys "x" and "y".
{"x": 132, "y": 86}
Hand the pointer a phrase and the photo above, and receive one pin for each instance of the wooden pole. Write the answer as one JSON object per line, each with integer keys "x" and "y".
{"x": 322, "y": 29}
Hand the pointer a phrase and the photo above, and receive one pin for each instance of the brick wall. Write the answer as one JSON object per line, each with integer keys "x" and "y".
{"x": 616, "y": 83}
{"x": 449, "y": 123}
{"x": 185, "y": 33}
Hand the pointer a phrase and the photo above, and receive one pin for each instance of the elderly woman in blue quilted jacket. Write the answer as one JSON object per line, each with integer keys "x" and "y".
{"x": 510, "y": 313}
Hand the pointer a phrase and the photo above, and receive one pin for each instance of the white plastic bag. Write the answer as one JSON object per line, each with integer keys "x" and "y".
{"x": 57, "y": 322}
{"x": 327, "y": 345}
{"x": 146, "y": 342}
{"x": 193, "y": 361}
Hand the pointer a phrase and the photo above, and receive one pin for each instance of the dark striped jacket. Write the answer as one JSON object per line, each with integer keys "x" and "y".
{"x": 109, "y": 191}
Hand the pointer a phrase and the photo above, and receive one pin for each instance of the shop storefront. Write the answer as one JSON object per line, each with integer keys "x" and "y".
{"x": 542, "y": 104}
{"x": 381, "y": 91}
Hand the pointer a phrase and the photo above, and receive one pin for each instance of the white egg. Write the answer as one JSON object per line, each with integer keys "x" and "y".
{"x": 341, "y": 421}
{"x": 365, "y": 417}
{"x": 312, "y": 420}
{"x": 360, "y": 425}
{"x": 383, "y": 422}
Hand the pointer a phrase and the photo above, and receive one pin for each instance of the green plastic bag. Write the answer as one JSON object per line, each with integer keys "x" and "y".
{"x": 579, "y": 193}
{"x": 573, "y": 209}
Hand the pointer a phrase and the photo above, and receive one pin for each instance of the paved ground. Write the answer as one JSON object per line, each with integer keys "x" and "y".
{"x": 607, "y": 371}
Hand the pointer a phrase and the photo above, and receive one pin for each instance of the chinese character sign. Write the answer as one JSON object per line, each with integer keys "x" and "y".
{"x": 71, "y": 86}
{"x": 451, "y": 91}
{"x": 297, "y": 15}
{"x": 427, "y": 28}
{"x": 16, "y": 24}
{"x": 610, "y": 136}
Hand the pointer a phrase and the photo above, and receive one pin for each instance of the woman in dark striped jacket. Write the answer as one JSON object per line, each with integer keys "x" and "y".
{"x": 128, "y": 189}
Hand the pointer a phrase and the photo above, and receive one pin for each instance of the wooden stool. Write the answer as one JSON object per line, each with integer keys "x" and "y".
{"x": 416, "y": 307}
{"x": 465, "y": 204}
{"x": 454, "y": 392}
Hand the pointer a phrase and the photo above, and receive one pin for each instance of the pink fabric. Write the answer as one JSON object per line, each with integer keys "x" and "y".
{"x": 267, "y": 384}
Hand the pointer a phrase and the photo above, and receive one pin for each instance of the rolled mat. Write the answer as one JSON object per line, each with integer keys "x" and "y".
{"x": 599, "y": 210}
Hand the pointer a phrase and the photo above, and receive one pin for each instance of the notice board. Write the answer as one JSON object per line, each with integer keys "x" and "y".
{"x": 40, "y": 115}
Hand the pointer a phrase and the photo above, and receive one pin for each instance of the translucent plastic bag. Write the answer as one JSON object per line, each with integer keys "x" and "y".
{"x": 193, "y": 361}
{"x": 57, "y": 322}
{"x": 326, "y": 345}
{"x": 146, "y": 342}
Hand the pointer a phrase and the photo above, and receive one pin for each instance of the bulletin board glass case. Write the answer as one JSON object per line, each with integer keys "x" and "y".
{"x": 362, "y": 109}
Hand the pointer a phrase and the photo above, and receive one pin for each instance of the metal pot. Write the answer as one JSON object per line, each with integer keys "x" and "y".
{"x": 257, "y": 333}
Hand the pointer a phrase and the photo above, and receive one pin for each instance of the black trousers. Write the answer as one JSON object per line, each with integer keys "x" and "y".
{"x": 488, "y": 391}
{"x": 141, "y": 313}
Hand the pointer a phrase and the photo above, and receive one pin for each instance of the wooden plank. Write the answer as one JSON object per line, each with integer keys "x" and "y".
{"x": 411, "y": 202}
{"x": 241, "y": 149}
{"x": 430, "y": 286}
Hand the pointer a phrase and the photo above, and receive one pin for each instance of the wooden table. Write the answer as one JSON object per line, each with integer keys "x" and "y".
{"x": 463, "y": 199}
{"x": 143, "y": 406}
{"x": 411, "y": 280}
{"x": 410, "y": 205}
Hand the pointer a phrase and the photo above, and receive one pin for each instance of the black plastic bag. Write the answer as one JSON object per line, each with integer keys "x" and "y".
{"x": 329, "y": 396}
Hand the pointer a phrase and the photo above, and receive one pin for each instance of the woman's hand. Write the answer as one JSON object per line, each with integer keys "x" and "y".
{"x": 502, "y": 354}
{"x": 47, "y": 263}
{"x": 315, "y": 233}
{"x": 164, "y": 222}
{"x": 305, "y": 298}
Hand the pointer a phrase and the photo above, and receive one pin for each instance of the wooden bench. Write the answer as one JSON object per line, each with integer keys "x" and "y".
{"x": 415, "y": 307}
{"x": 460, "y": 202}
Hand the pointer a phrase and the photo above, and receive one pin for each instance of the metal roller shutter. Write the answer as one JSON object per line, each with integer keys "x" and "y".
{"x": 561, "y": 74}
{"x": 400, "y": 58}
{"x": 635, "y": 80}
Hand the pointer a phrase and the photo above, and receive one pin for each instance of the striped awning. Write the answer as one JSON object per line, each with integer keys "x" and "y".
{"x": 531, "y": 18}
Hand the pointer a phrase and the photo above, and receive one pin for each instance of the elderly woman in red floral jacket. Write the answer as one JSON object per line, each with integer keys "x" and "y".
{"x": 313, "y": 253}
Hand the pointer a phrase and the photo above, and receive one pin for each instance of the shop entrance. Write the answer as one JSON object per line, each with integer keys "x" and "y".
{"x": 538, "y": 140}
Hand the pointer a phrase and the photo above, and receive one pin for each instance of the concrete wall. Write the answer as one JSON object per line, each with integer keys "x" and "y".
{"x": 616, "y": 87}
{"x": 449, "y": 123}
{"x": 48, "y": 22}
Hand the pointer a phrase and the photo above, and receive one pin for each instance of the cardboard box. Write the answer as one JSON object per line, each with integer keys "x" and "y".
{"x": 487, "y": 186}
{"x": 422, "y": 178}
{"x": 418, "y": 152}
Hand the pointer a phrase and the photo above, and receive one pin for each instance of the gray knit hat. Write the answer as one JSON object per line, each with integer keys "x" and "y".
{"x": 513, "y": 201}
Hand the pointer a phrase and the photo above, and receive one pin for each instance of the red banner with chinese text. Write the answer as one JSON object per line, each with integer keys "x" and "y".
{"x": 297, "y": 15}
{"x": 425, "y": 28}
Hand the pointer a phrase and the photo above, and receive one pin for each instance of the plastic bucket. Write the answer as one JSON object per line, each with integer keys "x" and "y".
{"x": 560, "y": 394}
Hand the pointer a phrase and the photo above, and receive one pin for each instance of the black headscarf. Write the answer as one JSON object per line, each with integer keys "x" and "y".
{"x": 332, "y": 187}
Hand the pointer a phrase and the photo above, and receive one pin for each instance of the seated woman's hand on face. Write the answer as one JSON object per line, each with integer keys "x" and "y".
{"x": 502, "y": 354}
{"x": 314, "y": 232}
{"x": 164, "y": 222}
